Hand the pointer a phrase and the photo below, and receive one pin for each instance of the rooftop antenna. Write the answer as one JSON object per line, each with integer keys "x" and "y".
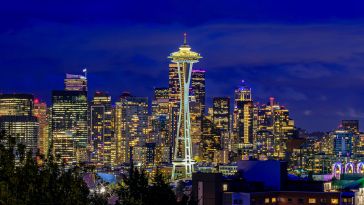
{"x": 184, "y": 38}
{"x": 85, "y": 72}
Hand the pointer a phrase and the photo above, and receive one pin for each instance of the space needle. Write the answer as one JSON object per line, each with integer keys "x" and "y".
{"x": 182, "y": 161}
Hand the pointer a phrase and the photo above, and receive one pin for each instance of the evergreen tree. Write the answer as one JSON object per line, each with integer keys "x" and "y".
{"x": 24, "y": 181}
{"x": 160, "y": 193}
{"x": 134, "y": 189}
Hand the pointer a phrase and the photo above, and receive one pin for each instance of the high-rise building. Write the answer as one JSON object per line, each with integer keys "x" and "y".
{"x": 161, "y": 93}
{"x": 75, "y": 82}
{"x": 25, "y": 130}
{"x": 160, "y": 126}
{"x": 131, "y": 122}
{"x": 101, "y": 134}
{"x": 173, "y": 84}
{"x": 16, "y": 104}
{"x": 184, "y": 58}
{"x": 69, "y": 125}
{"x": 173, "y": 96}
{"x": 211, "y": 141}
{"x": 41, "y": 112}
{"x": 150, "y": 153}
{"x": 197, "y": 108}
{"x": 243, "y": 115}
{"x": 17, "y": 120}
{"x": 196, "y": 126}
{"x": 275, "y": 118}
{"x": 160, "y": 103}
{"x": 264, "y": 144}
{"x": 343, "y": 143}
{"x": 352, "y": 125}
{"x": 221, "y": 119}
{"x": 198, "y": 89}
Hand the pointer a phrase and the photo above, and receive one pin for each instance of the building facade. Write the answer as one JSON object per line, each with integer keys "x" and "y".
{"x": 69, "y": 125}
{"x": 40, "y": 111}
{"x": 131, "y": 121}
{"x": 101, "y": 132}
{"x": 24, "y": 129}
{"x": 16, "y": 104}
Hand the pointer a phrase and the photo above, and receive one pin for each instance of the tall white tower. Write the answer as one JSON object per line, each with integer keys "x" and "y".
{"x": 182, "y": 161}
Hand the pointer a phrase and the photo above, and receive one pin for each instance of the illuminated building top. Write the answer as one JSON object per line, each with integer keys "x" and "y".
{"x": 16, "y": 104}
{"x": 76, "y": 82}
{"x": 184, "y": 54}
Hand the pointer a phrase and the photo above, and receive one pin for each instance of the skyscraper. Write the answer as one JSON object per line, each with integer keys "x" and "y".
{"x": 75, "y": 82}
{"x": 173, "y": 96}
{"x": 210, "y": 141}
{"x": 195, "y": 125}
{"x": 198, "y": 89}
{"x": 17, "y": 120}
{"x": 16, "y": 104}
{"x": 101, "y": 134}
{"x": 160, "y": 126}
{"x": 221, "y": 119}
{"x": 185, "y": 58}
{"x": 197, "y": 108}
{"x": 131, "y": 121}
{"x": 275, "y": 119}
{"x": 173, "y": 84}
{"x": 243, "y": 114}
{"x": 352, "y": 125}
{"x": 41, "y": 112}
{"x": 343, "y": 143}
{"x": 160, "y": 103}
{"x": 25, "y": 130}
{"x": 69, "y": 125}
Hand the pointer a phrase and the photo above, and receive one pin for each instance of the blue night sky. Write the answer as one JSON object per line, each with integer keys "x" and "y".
{"x": 308, "y": 54}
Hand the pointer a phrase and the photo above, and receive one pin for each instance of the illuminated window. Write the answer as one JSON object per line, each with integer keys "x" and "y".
{"x": 334, "y": 201}
{"x": 224, "y": 187}
{"x": 312, "y": 201}
{"x": 266, "y": 200}
{"x": 274, "y": 200}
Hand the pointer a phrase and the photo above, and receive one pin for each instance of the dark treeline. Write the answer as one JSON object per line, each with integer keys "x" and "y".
{"x": 23, "y": 180}
{"x": 33, "y": 179}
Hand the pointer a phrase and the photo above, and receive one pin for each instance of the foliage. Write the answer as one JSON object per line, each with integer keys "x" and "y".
{"x": 134, "y": 189}
{"x": 160, "y": 192}
{"x": 33, "y": 179}
{"x": 24, "y": 181}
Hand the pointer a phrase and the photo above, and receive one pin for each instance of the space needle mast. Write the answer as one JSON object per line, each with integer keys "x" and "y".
{"x": 182, "y": 160}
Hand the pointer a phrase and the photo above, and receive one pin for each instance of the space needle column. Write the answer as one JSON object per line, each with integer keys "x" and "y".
{"x": 184, "y": 58}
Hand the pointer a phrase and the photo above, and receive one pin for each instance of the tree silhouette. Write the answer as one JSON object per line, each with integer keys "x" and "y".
{"x": 25, "y": 181}
{"x": 134, "y": 189}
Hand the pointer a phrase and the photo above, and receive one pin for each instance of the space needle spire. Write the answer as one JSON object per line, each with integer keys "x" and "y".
{"x": 182, "y": 156}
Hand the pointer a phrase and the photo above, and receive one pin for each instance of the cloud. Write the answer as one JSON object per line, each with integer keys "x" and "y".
{"x": 307, "y": 112}
{"x": 351, "y": 113}
{"x": 313, "y": 70}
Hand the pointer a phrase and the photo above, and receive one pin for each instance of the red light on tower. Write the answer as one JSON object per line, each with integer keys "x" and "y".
{"x": 36, "y": 100}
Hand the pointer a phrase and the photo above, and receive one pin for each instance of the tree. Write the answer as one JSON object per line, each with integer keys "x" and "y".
{"x": 160, "y": 192}
{"x": 134, "y": 189}
{"x": 24, "y": 181}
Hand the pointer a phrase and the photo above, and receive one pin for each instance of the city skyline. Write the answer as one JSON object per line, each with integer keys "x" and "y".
{"x": 201, "y": 102}
{"x": 280, "y": 53}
